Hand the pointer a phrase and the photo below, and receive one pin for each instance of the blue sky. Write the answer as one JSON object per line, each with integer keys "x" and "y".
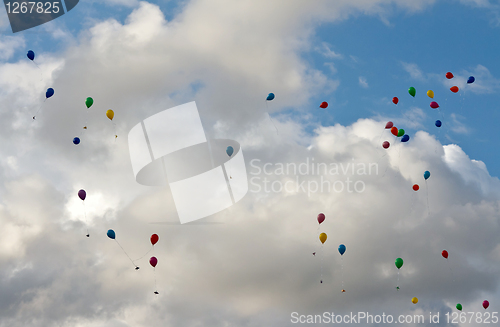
{"x": 443, "y": 36}
{"x": 255, "y": 266}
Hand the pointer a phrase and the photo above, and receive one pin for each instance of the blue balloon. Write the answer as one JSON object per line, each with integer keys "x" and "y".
{"x": 341, "y": 249}
{"x": 405, "y": 138}
{"x": 111, "y": 234}
{"x": 471, "y": 80}
{"x": 270, "y": 97}
{"x": 427, "y": 174}
{"x": 31, "y": 55}
{"x": 438, "y": 123}
{"x": 49, "y": 93}
{"x": 76, "y": 140}
{"x": 229, "y": 150}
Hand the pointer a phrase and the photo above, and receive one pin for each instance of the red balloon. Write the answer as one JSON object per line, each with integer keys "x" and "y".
{"x": 415, "y": 187}
{"x": 395, "y": 100}
{"x": 444, "y": 254}
{"x": 385, "y": 145}
{"x": 486, "y": 304}
{"x": 449, "y": 75}
{"x": 434, "y": 105}
{"x": 454, "y": 89}
{"x": 154, "y": 239}
{"x": 394, "y": 131}
{"x": 321, "y": 218}
{"x": 323, "y": 105}
{"x": 389, "y": 125}
{"x": 153, "y": 261}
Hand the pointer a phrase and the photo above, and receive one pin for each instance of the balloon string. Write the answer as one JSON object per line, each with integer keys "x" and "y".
{"x": 271, "y": 119}
{"x": 126, "y": 253}
{"x": 156, "y": 287}
{"x": 152, "y": 247}
{"x": 86, "y": 221}
{"x": 39, "y": 108}
{"x": 342, "y": 270}
{"x": 427, "y": 193}
{"x": 451, "y": 271}
{"x": 321, "y": 271}
{"x": 398, "y": 280}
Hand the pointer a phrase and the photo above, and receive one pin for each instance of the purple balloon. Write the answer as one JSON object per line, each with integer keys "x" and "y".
{"x": 82, "y": 195}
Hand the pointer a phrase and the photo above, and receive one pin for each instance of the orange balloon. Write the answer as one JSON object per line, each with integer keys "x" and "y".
{"x": 394, "y": 131}
{"x": 454, "y": 89}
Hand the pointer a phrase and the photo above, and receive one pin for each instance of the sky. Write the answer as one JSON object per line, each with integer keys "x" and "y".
{"x": 252, "y": 264}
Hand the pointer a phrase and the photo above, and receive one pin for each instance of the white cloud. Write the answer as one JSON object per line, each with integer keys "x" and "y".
{"x": 413, "y": 70}
{"x": 327, "y": 52}
{"x": 362, "y": 82}
{"x": 257, "y": 265}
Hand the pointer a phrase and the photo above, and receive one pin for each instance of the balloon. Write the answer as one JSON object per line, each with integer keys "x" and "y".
{"x": 323, "y": 105}
{"x": 389, "y": 125}
{"x": 444, "y": 254}
{"x": 459, "y": 306}
{"x": 399, "y": 263}
{"x": 82, "y": 194}
{"x": 434, "y": 105}
{"x": 341, "y": 249}
{"x": 427, "y": 174}
{"x": 416, "y": 187}
{"x": 394, "y": 131}
{"x": 322, "y": 237}
{"x": 414, "y": 300}
{"x": 454, "y": 89}
{"x": 438, "y": 123}
{"x": 386, "y": 145}
{"x": 430, "y": 94}
{"x": 395, "y": 100}
{"x": 270, "y": 97}
{"x": 154, "y": 239}
{"x": 49, "y": 93}
{"x": 412, "y": 91}
{"x": 321, "y": 218}
{"x": 89, "y": 102}
{"x": 401, "y": 132}
{"x": 486, "y": 304}
{"x": 111, "y": 234}
{"x": 405, "y": 138}
{"x": 153, "y": 261}
{"x": 31, "y": 55}
{"x": 76, "y": 140}
{"x": 449, "y": 75}
{"x": 229, "y": 150}
{"x": 471, "y": 80}
{"x": 110, "y": 114}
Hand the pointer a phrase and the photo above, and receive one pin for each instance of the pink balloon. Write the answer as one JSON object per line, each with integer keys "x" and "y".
{"x": 386, "y": 145}
{"x": 153, "y": 261}
{"x": 486, "y": 304}
{"x": 321, "y": 218}
{"x": 389, "y": 125}
{"x": 434, "y": 105}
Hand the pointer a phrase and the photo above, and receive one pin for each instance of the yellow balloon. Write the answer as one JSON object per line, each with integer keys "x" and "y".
{"x": 322, "y": 237}
{"x": 430, "y": 94}
{"x": 414, "y": 300}
{"x": 110, "y": 114}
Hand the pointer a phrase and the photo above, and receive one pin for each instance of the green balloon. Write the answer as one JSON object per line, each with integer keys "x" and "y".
{"x": 412, "y": 91}
{"x": 399, "y": 263}
{"x": 89, "y": 102}
{"x": 459, "y": 307}
{"x": 401, "y": 132}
